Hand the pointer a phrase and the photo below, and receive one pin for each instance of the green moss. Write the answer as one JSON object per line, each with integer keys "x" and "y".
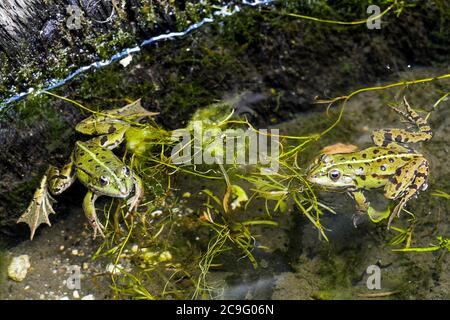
{"x": 3, "y": 269}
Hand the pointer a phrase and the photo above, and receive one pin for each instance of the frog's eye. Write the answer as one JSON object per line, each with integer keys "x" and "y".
{"x": 126, "y": 171}
{"x": 334, "y": 174}
{"x": 103, "y": 181}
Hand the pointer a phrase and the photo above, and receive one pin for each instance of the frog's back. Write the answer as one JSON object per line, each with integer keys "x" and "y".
{"x": 94, "y": 160}
{"x": 373, "y": 161}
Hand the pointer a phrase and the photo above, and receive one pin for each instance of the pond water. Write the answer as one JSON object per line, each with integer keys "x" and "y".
{"x": 272, "y": 69}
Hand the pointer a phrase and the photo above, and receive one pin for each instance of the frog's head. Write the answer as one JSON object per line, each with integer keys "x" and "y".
{"x": 116, "y": 183}
{"x": 326, "y": 172}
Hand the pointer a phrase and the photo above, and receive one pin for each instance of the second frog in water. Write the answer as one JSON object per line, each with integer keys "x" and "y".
{"x": 391, "y": 164}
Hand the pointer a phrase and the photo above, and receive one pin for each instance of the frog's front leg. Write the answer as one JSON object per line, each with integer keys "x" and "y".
{"x": 133, "y": 202}
{"x": 60, "y": 180}
{"x": 91, "y": 215}
{"x": 362, "y": 205}
{"x": 406, "y": 183}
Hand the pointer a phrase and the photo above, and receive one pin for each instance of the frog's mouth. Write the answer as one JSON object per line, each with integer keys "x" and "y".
{"x": 124, "y": 192}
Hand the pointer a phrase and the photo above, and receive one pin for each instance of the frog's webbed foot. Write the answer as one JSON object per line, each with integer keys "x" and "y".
{"x": 91, "y": 215}
{"x": 134, "y": 201}
{"x": 396, "y": 212}
{"x": 97, "y": 226}
{"x": 39, "y": 209}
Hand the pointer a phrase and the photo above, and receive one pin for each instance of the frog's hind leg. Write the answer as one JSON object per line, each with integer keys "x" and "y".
{"x": 362, "y": 206}
{"x": 91, "y": 215}
{"x": 39, "y": 208}
{"x": 415, "y": 119}
{"x": 391, "y": 138}
{"x": 406, "y": 183}
{"x": 111, "y": 140}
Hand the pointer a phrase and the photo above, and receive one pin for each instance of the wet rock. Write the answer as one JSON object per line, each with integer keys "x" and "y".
{"x": 18, "y": 268}
{"x": 113, "y": 269}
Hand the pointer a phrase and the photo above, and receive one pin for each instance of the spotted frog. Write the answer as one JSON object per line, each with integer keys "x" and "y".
{"x": 95, "y": 165}
{"x": 391, "y": 164}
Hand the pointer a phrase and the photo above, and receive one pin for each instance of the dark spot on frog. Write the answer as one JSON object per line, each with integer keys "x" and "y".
{"x": 391, "y": 160}
{"x": 349, "y": 166}
{"x": 398, "y": 171}
{"x": 376, "y": 151}
{"x": 111, "y": 129}
{"x": 90, "y": 160}
{"x": 391, "y": 152}
{"x": 398, "y": 138}
{"x": 405, "y": 158}
{"x": 364, "y": 155}
{"x": 383, "y": 168}
{"x": 420, "y": 174}
{"x": 353, "y": 159}
{"x": 393, "y": 180}
{"x": 387, "y": 137}
{"x": 363, "y": 178}
{"x": 103, "y": 140}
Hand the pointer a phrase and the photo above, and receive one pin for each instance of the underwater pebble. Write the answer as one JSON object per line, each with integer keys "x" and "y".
{"x": 18, "y": 268}
{"x": 88, "y": 297}
{"x": 134, "y": 248}
{"x": 75, "y": 294}
{"x": 156, "y": 213}
{"x": 85, "y": 265}
{"x": 74, "y": 252}
{"x": 112, "y": 269}
{"x": 64, "y": 298}
{"x": 61, "y": 248}
{"x": 264, "y": 263}
{"x": 186, "y": 195}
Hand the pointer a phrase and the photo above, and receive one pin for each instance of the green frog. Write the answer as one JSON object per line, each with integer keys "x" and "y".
{"x": 95, "y": 165}
{"x": 391, "y": 164}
